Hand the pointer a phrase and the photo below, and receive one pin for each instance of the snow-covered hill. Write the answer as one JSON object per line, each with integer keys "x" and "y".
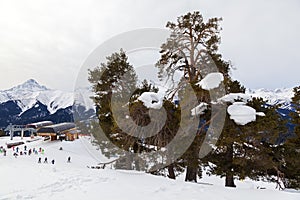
{"x": 24, "y": 178}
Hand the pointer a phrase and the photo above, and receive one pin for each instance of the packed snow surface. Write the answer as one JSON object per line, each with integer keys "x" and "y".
{"x": 211, "y": 81}
{"x": 24, "y": 178}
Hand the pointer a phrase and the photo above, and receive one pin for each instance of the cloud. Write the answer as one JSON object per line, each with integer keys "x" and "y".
{"x": 49, "y": 40}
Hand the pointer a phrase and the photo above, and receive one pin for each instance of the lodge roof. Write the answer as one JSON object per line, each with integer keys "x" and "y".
{"x": 57, "y": 128}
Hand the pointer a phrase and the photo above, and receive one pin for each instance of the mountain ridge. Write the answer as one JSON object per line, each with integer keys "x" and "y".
{"x": 30, "y": 101}
{"x": 31, "y": 97}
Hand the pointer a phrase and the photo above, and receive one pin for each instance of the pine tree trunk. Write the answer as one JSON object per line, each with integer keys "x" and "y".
{"x": 193, "y": 160}
{"x": 171, "y": 172}
{"x": 136, "y": 150}
{"x": 229, "y": 181}
{"x": 191, "y": 174}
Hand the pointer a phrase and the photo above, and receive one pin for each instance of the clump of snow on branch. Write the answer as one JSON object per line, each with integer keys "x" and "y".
{"x": 199, "y": 110}
{"x": 151, "y": 100}
{"x": 211, "y": 81}
{"x": 261, "y": 114}
{"x": 242, "y": 114}
{"x": 233, "y": 97}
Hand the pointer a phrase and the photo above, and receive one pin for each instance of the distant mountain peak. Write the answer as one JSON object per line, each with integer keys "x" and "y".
{"x": 280, "y": 96}
{"x": 29, "y": 85}
{"x": 31, "y": 81}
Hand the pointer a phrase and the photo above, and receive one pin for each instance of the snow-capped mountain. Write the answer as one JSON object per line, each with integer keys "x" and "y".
{"x": 281, "y": 96}
{"x": 29, "y": 93}
{"x": 30, "y": 101}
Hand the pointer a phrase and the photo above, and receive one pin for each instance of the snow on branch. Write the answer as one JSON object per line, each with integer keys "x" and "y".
{"x": 242, "y": 114}
{"x": 151, "y": 100}
{"x": 211, "y": 81}
{"x": 199, "y": 110}
{"x": 233, "y": 97}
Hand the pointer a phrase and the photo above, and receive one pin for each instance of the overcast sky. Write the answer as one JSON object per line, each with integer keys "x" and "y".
{"x": 49, "y": 40}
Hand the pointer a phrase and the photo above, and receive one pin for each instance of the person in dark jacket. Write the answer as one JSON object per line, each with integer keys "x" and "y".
{"x": 52, "y": 161}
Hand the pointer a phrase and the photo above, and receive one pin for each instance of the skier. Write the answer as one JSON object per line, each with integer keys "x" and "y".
{"x": 40, "y": 160}
{"x": 52, "y": 161}
{"x": 46, "y": 160}
{"x": 4, "y": 151}
{"x": 17, "y": 149}
{"x": 69, "y": 159}
{"x": 25, "y": 148}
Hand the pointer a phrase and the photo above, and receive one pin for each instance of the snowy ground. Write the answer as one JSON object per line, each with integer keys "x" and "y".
{"x": 24, "y": 178}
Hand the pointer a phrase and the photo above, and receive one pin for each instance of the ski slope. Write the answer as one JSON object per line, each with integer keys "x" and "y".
{"x": 24, "y": 178}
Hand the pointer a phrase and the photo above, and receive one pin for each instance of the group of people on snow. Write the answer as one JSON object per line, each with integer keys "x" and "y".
{"x": 52, "y": 161}
{"x": 18, "y": 151}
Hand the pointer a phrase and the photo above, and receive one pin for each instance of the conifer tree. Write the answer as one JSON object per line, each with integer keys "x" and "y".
{"x": 113, "y": 83}
{"x": 291, "y": 148}
{"x": 108, "y": 79}
{"x": 183, "y": 51}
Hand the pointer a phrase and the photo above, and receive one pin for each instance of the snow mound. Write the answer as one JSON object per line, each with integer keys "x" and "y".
{"x": 211, "y": 81}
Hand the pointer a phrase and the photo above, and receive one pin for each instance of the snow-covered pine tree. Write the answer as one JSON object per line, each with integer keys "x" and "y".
{"x": 183, "y": 52}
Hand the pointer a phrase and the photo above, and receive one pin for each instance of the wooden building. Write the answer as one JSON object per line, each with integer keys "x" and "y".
{"x": 72, "y": 135}
{"x": 56, "y": 131}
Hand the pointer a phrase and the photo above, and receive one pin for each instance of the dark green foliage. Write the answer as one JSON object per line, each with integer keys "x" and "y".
{"x": 225, "y": 157}
{"x": 2, "y": 133}
{"x": 114, "y": 77}
{"x": 291, "y": 148}
{"x": 193, "y": 43}
{"x": 114, "y": 84}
